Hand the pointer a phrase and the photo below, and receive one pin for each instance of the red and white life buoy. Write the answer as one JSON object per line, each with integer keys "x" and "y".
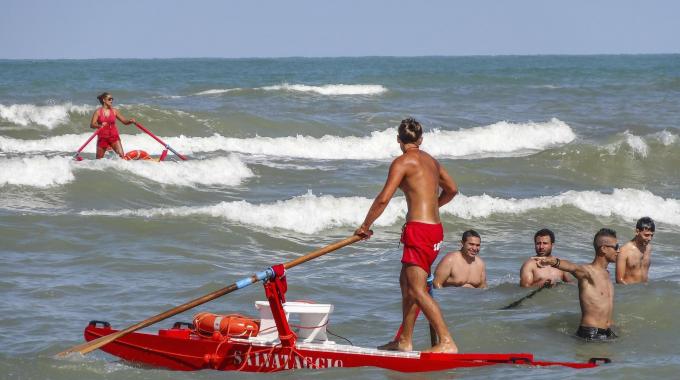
{"x": 137, "y": 155}
{"x": 234, "y": 325}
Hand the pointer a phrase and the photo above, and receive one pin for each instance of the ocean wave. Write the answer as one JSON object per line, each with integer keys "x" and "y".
{"x": 330, "y": 89}
{"x": 46, "y": 172}
{"x": 310, "y": 213}
{"x": 39, "y": 172}
{"x": 49, "y": 116}
{"x": 502, "y": 139}
{"x": 217, "y": 91}
{"x": 639, "y": 146}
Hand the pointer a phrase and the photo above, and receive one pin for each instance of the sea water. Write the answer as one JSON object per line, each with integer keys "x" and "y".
{"x": 286, "y": 156}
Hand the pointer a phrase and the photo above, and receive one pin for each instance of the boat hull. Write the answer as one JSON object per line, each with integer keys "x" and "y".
{"x": 181, "y": 349}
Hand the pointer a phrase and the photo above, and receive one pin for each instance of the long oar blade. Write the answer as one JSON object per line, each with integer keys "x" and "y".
{"x": 167, "y": 146}
{"x": 99, "y": 342}
{"x": 533, "y": 293}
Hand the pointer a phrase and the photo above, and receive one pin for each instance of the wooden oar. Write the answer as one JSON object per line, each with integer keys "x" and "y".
{"x": 513, "y": 305}
{"x": 95, "y": 344}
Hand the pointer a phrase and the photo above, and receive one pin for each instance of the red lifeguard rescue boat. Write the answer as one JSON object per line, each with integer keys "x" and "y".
{"x": 275, "y": 346}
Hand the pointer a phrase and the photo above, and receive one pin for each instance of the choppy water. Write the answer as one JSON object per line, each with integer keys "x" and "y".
{"x": 286, "y": 156}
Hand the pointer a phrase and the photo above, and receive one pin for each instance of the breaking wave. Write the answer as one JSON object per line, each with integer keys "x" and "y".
{"x": 310, "y": 213}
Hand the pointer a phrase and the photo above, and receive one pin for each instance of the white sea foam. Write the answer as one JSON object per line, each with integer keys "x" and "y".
{"x": 330, "y": 89}
{"x": 637, "y": 144}
{"x": 217, "y": 91}
{"x": 665, "y": 137}
{"x": 36, "y": 171}
{"x": 310, "y": 213}
{"x": 49, "y": 172}
{"x": 49, "y": 116}
{"x": 501, "y": 139}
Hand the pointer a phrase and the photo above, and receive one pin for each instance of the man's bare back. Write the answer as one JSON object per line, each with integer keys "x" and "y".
{"x": 420, "y": 177}
{"x": 420, "y": 185}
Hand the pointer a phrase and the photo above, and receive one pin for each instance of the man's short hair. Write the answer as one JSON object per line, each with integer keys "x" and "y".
{"x": 645, "y": 223}
{"x": 545, "y": 232}
{"x": 410, "y": 130}
{"x": 603, "y": 232}
{"x": 469, "y": 233}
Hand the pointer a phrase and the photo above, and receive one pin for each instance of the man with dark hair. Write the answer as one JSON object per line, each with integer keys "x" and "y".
{"x": 531, "y": 274}
{"x": 632, "y": 265}
{"x": 595, "y": 288}
{"x": 420, "y": 177}
{"x": 463, "y": 267}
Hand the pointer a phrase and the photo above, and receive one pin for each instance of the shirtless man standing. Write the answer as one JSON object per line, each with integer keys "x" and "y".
{"x": 632, "y": 265}
{"x": 595, "y": 288}
{"x": 531, "y": 274}
{"x": 462, "y": 268}
{"x": 419, "y": 176}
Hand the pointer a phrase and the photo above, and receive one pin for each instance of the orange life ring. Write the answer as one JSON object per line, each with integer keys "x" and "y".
{"x": 234, "y": 325}
{"x": 137, "y": 155}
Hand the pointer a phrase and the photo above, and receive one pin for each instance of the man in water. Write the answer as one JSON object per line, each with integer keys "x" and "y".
{"x": 419, "y": 176}
{"x": 531, "y": 275}
{"x": 463, "y": 267}
{"x": 632, "y": 265}
{"x": 595, "y": 288}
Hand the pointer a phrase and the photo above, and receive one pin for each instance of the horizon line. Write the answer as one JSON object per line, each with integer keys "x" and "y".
{"x": 347, "y": 56}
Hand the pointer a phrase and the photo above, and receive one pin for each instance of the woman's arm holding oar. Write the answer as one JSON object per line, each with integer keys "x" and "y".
{"x": 95, "y": 344}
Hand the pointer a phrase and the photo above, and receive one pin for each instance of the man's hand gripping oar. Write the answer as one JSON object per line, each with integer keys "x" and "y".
{"x": 99, "y": 342}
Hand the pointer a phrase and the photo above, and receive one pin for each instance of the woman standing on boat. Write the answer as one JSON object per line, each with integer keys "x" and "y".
{"x": 104, "y": 119}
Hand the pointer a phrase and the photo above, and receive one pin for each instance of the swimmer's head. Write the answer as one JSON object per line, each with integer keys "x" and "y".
{"x": 644, "y": 231}
{"x": 645, "y": 223}
{"x": 103, "y": 96}
{"x": 543, "y": 242}
{"x": 410, "y": 131}
{"x": 471, "y": 243}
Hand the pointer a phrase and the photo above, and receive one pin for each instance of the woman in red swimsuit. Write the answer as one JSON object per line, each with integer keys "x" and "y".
{"x": 104, "y": 119}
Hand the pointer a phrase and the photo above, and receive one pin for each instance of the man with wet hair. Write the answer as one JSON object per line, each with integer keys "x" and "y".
{"x": 420, "y": 177}
{"x": 462, "y": 268}
{"x": 632, "y": 265}
{"x": 531, "y": 275}
{"x": 595, "y": 288}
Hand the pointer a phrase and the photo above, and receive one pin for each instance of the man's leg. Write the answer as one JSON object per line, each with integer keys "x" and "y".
{"x": 404, "y": 342}
{"x": 416, "y": 278}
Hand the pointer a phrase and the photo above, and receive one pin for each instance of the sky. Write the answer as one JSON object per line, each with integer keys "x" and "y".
{"x": 84, "y": 29}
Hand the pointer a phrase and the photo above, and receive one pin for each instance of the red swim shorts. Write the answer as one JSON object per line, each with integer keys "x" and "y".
{"x": 422, "y": 242}
{"x": 108, "y": 141}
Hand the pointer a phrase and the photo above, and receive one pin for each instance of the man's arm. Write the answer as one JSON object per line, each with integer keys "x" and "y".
{"x": 526, "y": 274}
{"x": 394, "y": 178}
{"x": 579, "y": 271}
{"x": 484, "y": 285}
{"x": 621, "y": 263}
{"x": 448, "y": 185}
{"x": 441, "y": 274}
